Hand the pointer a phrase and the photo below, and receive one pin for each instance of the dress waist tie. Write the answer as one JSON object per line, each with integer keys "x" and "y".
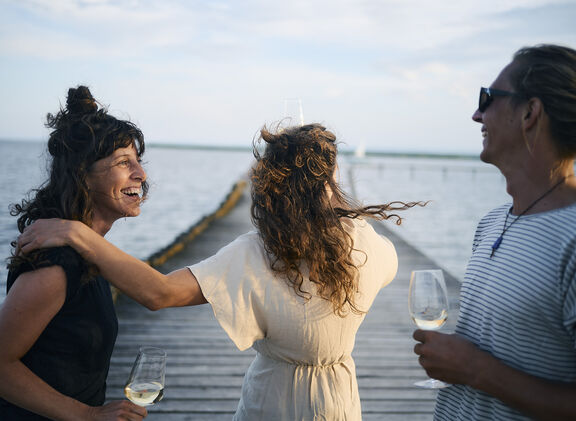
{"x": 343, "y": 360}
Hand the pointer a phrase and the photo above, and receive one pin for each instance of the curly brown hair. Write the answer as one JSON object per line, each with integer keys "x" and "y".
{"x": 82, "y": 134}
{"x": 297, "y": 218}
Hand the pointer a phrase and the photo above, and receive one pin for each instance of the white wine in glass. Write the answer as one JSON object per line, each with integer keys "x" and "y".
{"x": 428, "y": 306}
{"x": 145, "y": 385}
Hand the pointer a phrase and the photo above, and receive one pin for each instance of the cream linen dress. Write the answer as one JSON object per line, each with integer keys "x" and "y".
{"x": 303, "y": 368}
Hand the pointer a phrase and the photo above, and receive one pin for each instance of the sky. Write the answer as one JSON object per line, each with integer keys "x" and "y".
{"x": 384, "y": 75}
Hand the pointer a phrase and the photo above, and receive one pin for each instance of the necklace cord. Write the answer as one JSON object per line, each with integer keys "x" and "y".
{"x": 505, "y": 228}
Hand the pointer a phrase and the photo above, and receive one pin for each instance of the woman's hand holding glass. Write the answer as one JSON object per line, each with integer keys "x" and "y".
{"x": 428, "y": 306}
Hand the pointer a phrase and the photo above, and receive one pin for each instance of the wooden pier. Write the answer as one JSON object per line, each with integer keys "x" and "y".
{"x": 205, "y": 370}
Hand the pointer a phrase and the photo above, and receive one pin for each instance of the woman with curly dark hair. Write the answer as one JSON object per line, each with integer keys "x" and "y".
{"x": 58, "y": 325}
{"x": 296, "y": 290}
{"x": 294, "y": 186}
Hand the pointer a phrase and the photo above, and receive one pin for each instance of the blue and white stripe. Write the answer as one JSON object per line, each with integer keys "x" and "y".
{"x": 519, "y": 305}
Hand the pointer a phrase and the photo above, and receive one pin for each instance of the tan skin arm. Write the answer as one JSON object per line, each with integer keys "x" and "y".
{"x": 29, "y": 306}
{"x": 130, "y": 275}
{"x": 453, "y": 359}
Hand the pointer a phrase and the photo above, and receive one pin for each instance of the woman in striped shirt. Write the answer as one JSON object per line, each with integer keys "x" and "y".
{"x": 513, "y": 356}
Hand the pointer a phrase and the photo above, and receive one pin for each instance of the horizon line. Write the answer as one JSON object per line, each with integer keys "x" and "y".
{"x": 343, "y": 150}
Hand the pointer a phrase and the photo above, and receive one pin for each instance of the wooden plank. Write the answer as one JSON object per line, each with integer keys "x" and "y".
{"x": 227, "y": 417}
{"x": 233, "y": 392}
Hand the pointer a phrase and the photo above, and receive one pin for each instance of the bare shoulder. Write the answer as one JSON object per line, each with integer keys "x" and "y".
{"x": 29, "y": 306}
{"x": 38, "y": 287}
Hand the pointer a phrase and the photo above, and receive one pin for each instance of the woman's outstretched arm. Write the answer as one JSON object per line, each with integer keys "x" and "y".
{"x": 130, "y": 275}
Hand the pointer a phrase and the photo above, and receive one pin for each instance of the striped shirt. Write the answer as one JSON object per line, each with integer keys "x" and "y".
{"x": 519, "y": 305}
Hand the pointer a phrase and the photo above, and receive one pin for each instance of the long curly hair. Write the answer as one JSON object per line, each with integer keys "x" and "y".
{"x": 83, "y": 133}
{"x": 296, "y": 216}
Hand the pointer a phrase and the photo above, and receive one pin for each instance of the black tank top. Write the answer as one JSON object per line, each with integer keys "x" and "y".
{"x": 73, "y": 353}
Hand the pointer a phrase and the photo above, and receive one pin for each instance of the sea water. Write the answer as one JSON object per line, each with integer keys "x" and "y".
{"x": 459, "y": 192}
{"x": 189, "y": 183}
{"x": 185, "y": 185}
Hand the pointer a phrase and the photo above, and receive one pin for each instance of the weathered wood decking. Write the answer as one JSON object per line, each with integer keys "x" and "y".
{"x": 205, "y": 370}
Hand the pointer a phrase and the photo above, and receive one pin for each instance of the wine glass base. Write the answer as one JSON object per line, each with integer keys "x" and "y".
{"x": 431, "y": 384}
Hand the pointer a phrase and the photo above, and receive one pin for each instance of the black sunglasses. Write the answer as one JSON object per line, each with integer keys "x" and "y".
{"x": 487, "y": 96}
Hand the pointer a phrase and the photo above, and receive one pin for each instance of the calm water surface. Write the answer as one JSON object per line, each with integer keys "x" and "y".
{"x": 187, "y": 184}
{"x": 460, "y": 192}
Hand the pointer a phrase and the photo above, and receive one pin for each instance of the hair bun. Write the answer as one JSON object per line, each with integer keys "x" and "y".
{"x": 81, "y": 101}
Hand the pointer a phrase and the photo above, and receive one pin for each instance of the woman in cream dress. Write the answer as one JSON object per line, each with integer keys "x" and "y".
{"x": 296, "y": 289}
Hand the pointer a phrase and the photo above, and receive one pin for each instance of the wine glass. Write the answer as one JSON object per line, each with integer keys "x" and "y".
{"x": 145, "y": 385}
{"x": 428, "y": 306}
{"x": 293, "y": 114}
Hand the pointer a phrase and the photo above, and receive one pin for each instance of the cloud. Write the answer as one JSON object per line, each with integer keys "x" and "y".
{"x": 133, "y": 27}
{"x": 217, "y": 70}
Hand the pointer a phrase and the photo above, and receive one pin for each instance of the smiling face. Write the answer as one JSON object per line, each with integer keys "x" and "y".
{"x": 115, "y": 184}
{"x": 501, "y": 126}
